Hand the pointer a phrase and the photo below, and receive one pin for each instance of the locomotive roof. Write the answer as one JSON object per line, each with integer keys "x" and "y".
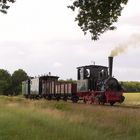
{"x": 92, "y": 66}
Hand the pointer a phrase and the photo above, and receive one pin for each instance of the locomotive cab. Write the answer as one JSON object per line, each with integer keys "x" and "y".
{"x": 90, "y": 77}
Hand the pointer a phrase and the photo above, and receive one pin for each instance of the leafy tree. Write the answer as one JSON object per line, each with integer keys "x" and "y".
{"x": 71, "y": 80}
{"x": 97, "y": 16}
{"x": 4, "y": 5}
{"x": 67, "y": 80}
{"x": 5, "y": 82}
{"x": 17, "y": 77}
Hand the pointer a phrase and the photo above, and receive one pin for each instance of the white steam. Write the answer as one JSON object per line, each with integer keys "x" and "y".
{"x": 121, "y": 48}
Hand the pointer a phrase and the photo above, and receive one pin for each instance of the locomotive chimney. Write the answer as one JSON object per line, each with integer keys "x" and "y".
{"x": 110, "y": 63}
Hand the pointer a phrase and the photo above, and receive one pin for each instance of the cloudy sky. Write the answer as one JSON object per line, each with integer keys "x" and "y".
{"x": 42, "y": 37}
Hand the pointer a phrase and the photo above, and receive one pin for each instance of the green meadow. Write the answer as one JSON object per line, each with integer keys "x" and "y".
{"x": 22, "y": 119}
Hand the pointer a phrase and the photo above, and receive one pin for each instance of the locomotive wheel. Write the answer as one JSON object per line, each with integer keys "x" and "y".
{"x": 122, "y": 98}
{"x": 102, "y": 103}
{"x": 96, "y": 100}
{"x": 112, "y": 103}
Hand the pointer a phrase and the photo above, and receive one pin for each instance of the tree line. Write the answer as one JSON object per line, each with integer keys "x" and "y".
{"x": 130, "y": 86}
{"x": 11, "y": 84}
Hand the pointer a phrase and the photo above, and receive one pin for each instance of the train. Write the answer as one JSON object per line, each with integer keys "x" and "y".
{"x": 95, "y": 85}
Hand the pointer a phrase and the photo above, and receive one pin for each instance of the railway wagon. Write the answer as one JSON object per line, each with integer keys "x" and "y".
{"x": 49, "y": 87}
{"x": 66, "y": 90}
{"x": 42, "y": 87}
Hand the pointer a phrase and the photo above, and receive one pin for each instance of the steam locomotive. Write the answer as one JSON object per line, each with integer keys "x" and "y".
{"x": 95, "y": 85}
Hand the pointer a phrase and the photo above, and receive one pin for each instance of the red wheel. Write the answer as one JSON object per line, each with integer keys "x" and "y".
{"x": 96, "y": 100}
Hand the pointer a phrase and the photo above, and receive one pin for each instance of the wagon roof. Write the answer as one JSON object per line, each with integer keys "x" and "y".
{"x": 48, "y": 76}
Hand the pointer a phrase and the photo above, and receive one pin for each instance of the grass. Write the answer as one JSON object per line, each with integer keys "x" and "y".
{"x": 22, "y": 119}
{"x": 132, "y": 98}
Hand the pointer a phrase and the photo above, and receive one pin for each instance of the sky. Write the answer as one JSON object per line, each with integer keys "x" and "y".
{"x": 42, "y": 37}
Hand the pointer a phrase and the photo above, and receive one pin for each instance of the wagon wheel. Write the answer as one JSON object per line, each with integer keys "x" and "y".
{"x": 84, "y": 100}
{"x": 75, "y": 99}
{"x": 45, "y": 97}
{"x": 57, "y": 98}
{"x": 65, "y": 98}
{"x": 49, "y": 97}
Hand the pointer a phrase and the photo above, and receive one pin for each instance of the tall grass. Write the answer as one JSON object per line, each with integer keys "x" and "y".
{"x": 132, "y": 98}
{"x": 22, "y": 119}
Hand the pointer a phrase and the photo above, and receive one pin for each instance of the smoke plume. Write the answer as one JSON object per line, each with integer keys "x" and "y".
{"x": 121, "y": 48}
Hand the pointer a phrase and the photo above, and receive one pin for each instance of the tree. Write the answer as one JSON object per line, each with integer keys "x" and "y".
{"x": 17, "y": 77}
{"x": 5, "y": 82}
{"x": 97, "y": 16}
{"x": 68, "y": 80}
{"x": 4, "y": 5}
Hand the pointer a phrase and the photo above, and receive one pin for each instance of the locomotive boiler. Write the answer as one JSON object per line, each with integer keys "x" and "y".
{"x": 95, "y": 85}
